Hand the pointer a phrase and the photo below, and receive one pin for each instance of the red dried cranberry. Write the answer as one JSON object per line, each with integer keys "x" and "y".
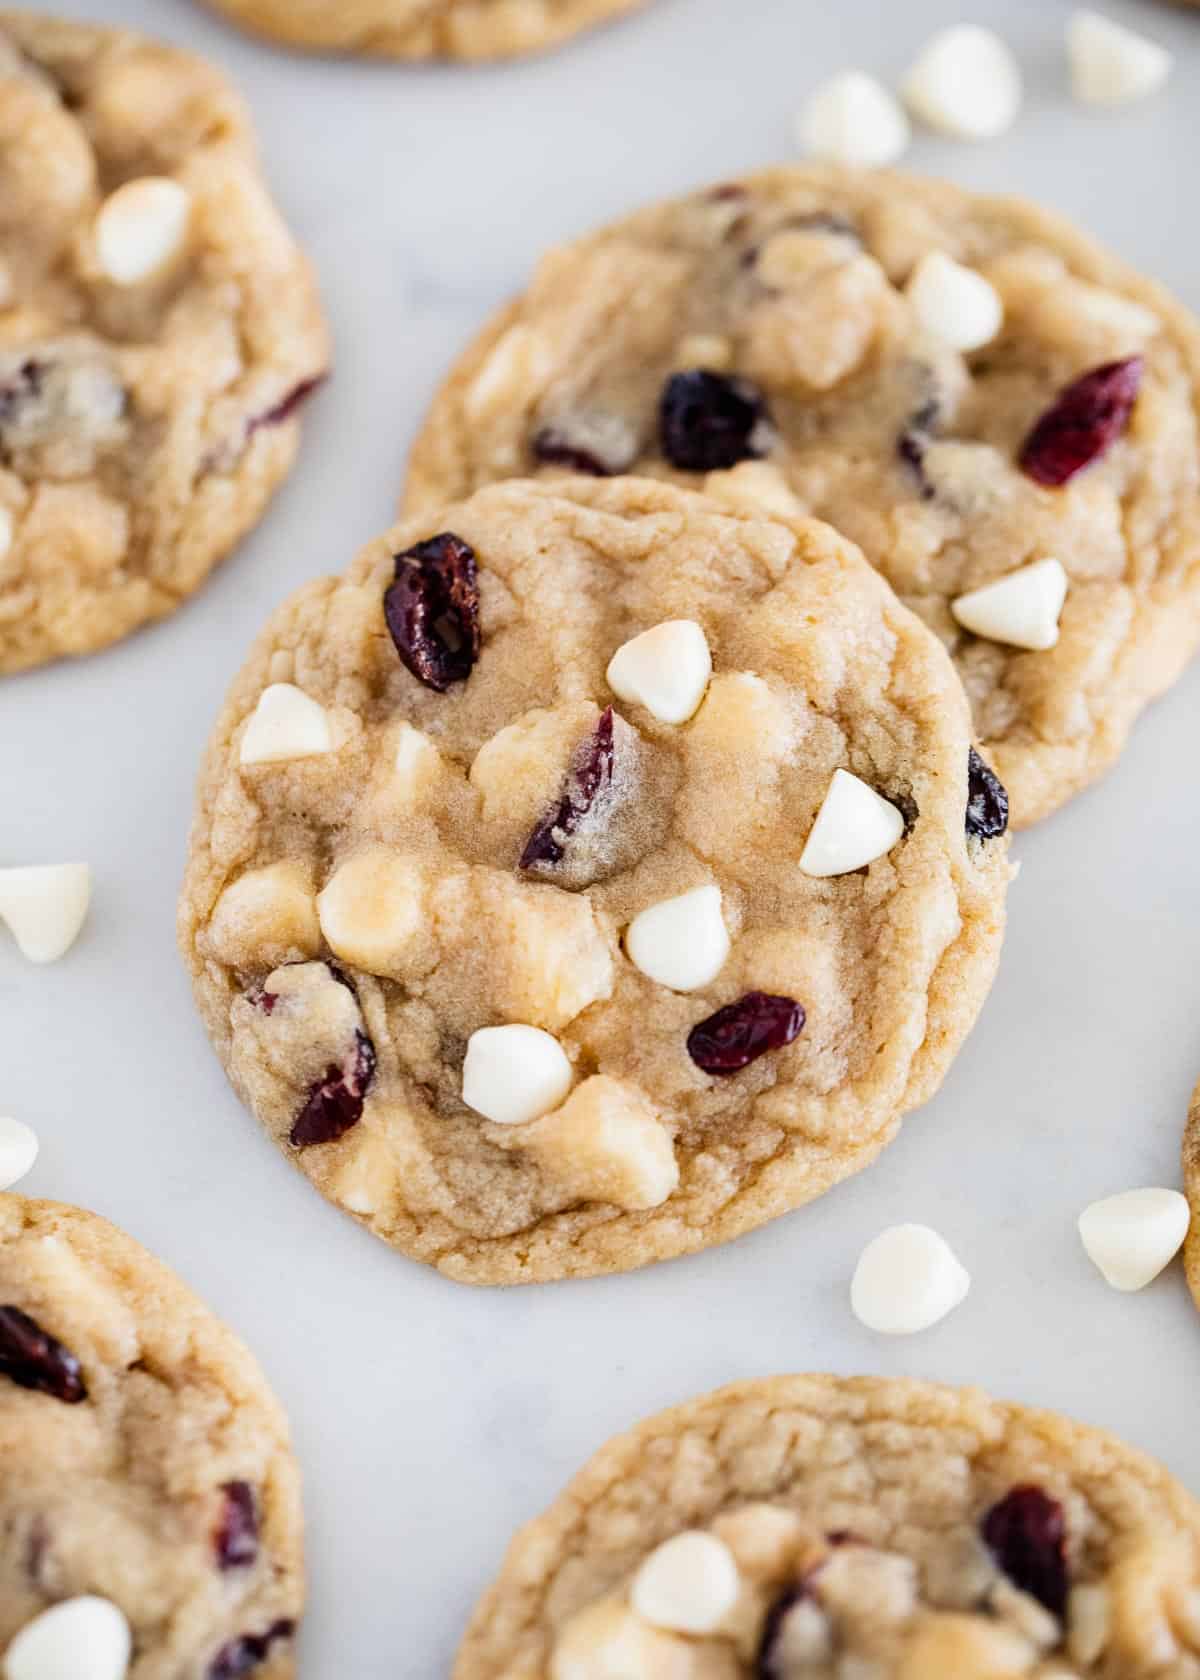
{"x": 708, "y": 421}
{"x": 601, "y": 444}
{"x": 1026, "y": 1534}
{"x": 243, "y": 1655}
{"x": 1085, "y": 419}
{"x": 288, "y": 406}
{"x": 432, "y": 611}
{"x": 235, "y": 1540}
{"x": 30, "y": 1357}
{"x": 743, "y": 1031}
{"x": 335, "y": 1102}
{"x": 590, "y": 776}
{"x": 987, "y": 799}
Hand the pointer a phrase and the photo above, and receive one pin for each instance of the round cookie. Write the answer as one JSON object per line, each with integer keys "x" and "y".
{"x": 803, "y": 1528}
{"x": 435, "y": 805}
{"x": 145, "y": 1461}
{"x": 1191, "y": 1189}
{"x": 159, "y": 331}
{"x": 771, "y": 320}
{"x": 467, "y": 29}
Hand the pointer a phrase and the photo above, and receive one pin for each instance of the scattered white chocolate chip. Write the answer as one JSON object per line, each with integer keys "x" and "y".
{"x": 1021, "y": 609}
{"x": 689, "y": 1584}
{"x": 285, "y": 724}
{"x": 955, "y": 303}
{"x": 965, "y": 83}
{"x": 514, "y": 1073}
{"x": 853, "y": 119}
{"x": 1132, "y": 1236}
{"x": 44, "y": 906}
{"x": 680, "y": 942}
{"x": 854, "y": 826}
{"x": 18, "y": 1151}
{"x": 665, "y": 669}
{"x": 80, "y": 1639}
{"x": 372, "y": 909}
{"x": 1112, "y": 65}
{"x": 140, "y": 227}
{"x": 906, "y": 1280}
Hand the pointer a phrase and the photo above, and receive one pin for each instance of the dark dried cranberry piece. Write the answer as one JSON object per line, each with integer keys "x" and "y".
{"x": 590, "y": 776}
{"x": 987, "y": 799}
{"x": 1085, "y": 419}
{"x": 432, "y": 611}
{"x": 335, "y": 1103}
{"x": 30, "y": 1357}
{"x": 601, "y": 444}
{"x": 288, "y": 406}
{"x": 242, "y": 1656}
{"x": 915, "y": 440}
{"x": 708, "y": 421}
{"x": 235, "y": 1540}
{"x": 1026, "y": 1534}
{"x": 15, "y": 388}
{"x": 743, "y": 1031}
{"x": 770, "y": 1662}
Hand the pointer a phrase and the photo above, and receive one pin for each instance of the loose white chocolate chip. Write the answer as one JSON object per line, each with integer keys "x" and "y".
{"x": 680, "y": 942}
{"x": 1132, "y": 1236}
{"x": 906, "y": 1280}
{"x": 1112, "y": 65}
{"x": 853, "y": 119}
{"x": 665, "y": 669}
{"x": 140, "y": 227}
{"x": 687, "y": 1585}
{"x": 606, "y": 1144}
{"x": 854, "y": 826}
{"x": 965, "y": 83}
{"x": 80, "y": 1639}
{"x": 285, "y": 724}
{"x": 18, "y": 1151}
{"x": 372, "y": 909}
{"x": 45, "y": 906}
{"x": 954, "y": 303}
{"x": 514, "y": 1073}
{"x": 1021, "y": 610}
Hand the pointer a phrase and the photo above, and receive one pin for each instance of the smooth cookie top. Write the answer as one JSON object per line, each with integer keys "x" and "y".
{"x": 966, "y": 387}
{"x": 159, "y": 330}
{"x": 677, "y": 797}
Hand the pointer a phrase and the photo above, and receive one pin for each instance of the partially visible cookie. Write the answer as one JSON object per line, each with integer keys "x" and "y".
{"x": 143, "y": 1459}
{"x": 1191, "y": 1189}
{"x": 817, "y": 1528}
{"x": 159, "y": 331}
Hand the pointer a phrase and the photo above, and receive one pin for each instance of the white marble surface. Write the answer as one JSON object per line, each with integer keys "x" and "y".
{"x": 432, "y": 1419}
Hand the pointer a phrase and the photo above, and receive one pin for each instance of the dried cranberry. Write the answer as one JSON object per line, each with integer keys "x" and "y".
{"x": 235, "y": 1539}
{"x": 708, "y": 421}
{"x": 16, "y": 387}
{"x": 588, "y": 778}
{"x": 335, "y": 1102}
{"x": 432, "y": 611}
{"x": 600, "y": 444}
{"x": 1085, "y": 419}
{"x": 743, "y": 1031}
{"x": 30, "y": 1357}
{"x": 770, "y": 1662}
{"x": 987, "y": 799}
{"x": 242, "y": 1656}
{"x": 288, "y": 406}
{"x": 1026, "y": 1534}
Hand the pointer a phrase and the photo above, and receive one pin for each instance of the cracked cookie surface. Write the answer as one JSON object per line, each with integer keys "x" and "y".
{"x": 1191, "y": 1189}
{"x": 144, "y": 1458}
{"x": 420, "y": 859}
{"x": 159, "y": 330}
{"x": 795, "y": 286}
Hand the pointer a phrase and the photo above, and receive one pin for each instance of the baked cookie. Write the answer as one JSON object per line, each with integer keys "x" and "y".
{"x": 423, "y": 28}
{"x": 1191, "y": 1189}
{"x": 966, "y": 387}
{"x": 159, "y": 330}
{"x": 808, "y": 1527}
{"x": 591, "y": 875}
{"x": 144, "y": 1461}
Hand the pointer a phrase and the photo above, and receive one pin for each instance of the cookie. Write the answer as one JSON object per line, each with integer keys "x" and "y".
{"x": 590, "y": 875}
{"x": 146, "y": 1461}
{"x": 159, "y": 331}
{"x": 1191, "y": 1189}
{"x": 813, "y": 1526}
{"x": 966, "y": 387}
{"x": 467, "y": 29}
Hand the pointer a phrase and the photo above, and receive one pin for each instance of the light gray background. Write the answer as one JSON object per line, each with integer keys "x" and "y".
{"x": 432, "y": 1419}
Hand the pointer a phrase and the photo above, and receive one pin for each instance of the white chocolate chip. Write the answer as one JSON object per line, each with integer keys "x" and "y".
{"x": 680, "y": 942}
{"x": 854, "y": 826}
{"x": 1021, "y": 610}
{"x": 285, "y": 724}
{"x": 140, "y": 227}
{"x": 1132, "y": 1236}
{"x": 266, "y": 915}
{"x": 372, "y": 910}
{"x": 853, "y": 119}
{"x": 520, "y": 362}
{"x": 955, "y": 303}
{"x": 514, "y": 1073}
{"x": 965, "y": 83}
{"x": 416, "y": 756}
{"x": 45, "y": 906}
{"x": 607, "y": 1144}
{"x": 704, "y": 350}
{"x": 607, "y": 1641}
{"x": 906, "y": 1280}
{"x": 687, "y": 1585}
{"x": 18, "y": 1151}
{"x": 1088, "y": 1624}
{"x": 1112, "y": 65}
{"x": 81, "y": 1639}
{"x": 7, "y": 528}
{"x": 665, "y": 669}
